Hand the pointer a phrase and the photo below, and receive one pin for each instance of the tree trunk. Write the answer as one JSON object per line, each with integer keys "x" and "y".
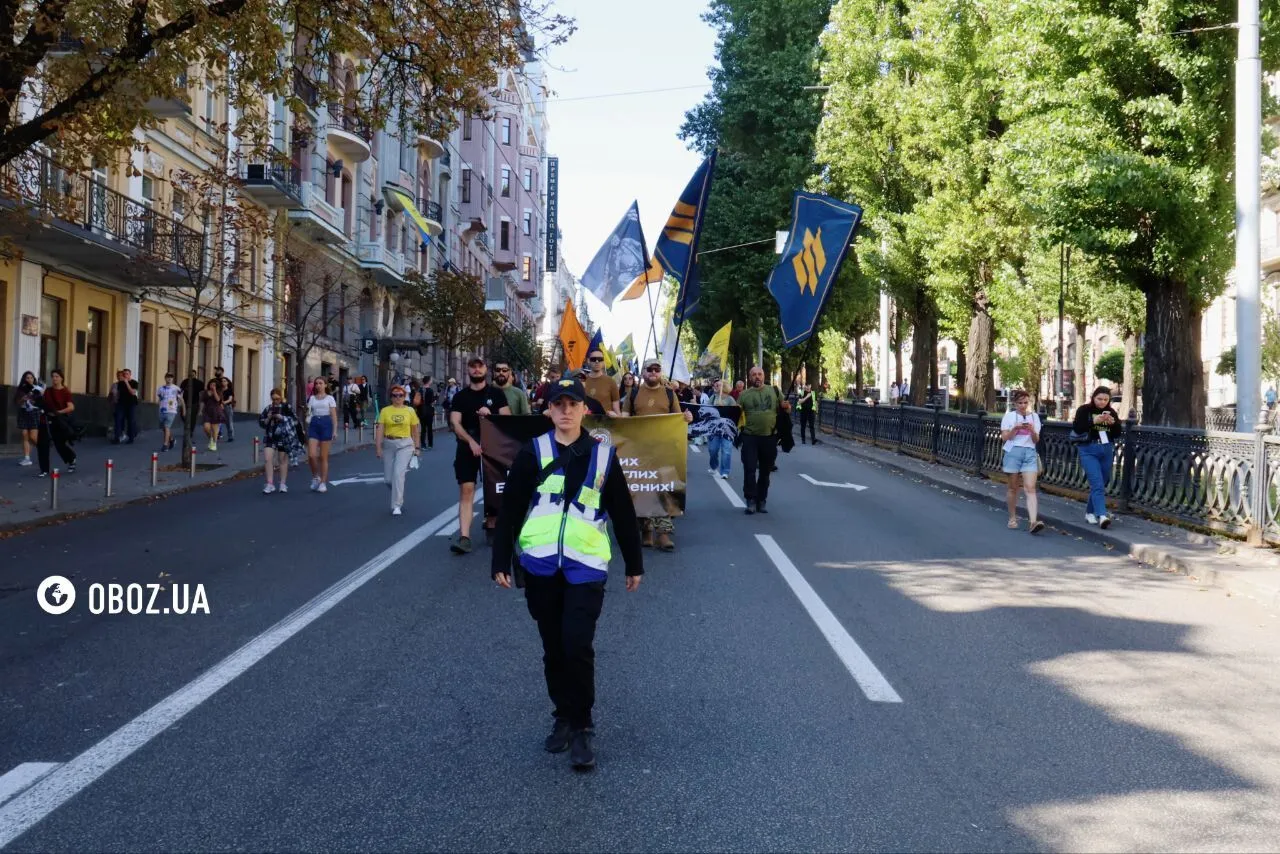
{"x": 978, "y": 390}
{"x": 1077, "y": 368}
{"x": 898, "y": 333}
{"x": 933, "y": 351}
{"x": 923, "y": 351}
{"x": 299, "y": 382}
{"x": 859, "y": 390}
{"x": 192, "y": 406}
{"x": 1127, "y": 386}
{"x": 1173, "y": 392}
{"x": 962, "y": 367}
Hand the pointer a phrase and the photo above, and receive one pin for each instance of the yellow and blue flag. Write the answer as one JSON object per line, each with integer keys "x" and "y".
{"x": 822, "y": 230}
{"x": 677, "y": 248}
{"x": 620, "y": 260}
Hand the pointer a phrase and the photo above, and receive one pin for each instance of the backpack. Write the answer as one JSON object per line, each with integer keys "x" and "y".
{"x": 631, "y": 399}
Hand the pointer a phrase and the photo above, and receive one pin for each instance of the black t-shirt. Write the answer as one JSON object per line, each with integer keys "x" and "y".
{"x": 428, "y": 399}
{"x": 127, "y": 393}
{"x": 468, "y": 401}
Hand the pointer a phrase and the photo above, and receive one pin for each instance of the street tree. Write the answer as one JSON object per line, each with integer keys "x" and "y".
{"x": 204, "y": 278}
{"x": 451, "y": 304}
{"x": 80, "y": 76}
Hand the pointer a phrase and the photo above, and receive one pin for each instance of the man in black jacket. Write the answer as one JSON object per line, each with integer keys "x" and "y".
{"x": 549, "y": 506}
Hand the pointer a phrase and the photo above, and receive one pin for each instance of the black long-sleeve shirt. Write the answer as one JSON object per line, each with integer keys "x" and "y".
{"x": 517, "y": 495}
{"x": 1083, "y": 422}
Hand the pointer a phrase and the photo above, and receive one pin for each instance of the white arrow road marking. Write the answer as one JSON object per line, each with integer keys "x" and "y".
{"x": 449, "y": 530}
{"x": 695, "y": 449}
{"x": 856, "y": 486}
{"x": 729, "y": 493}
{"x": 360, "y": 478}
{"x": 864, "y": 672}
{"x": 63, "y": 783}
{"x": 23, "y": 777}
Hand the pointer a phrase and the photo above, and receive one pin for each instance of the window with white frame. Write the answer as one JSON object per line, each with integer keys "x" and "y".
{"x": 526, "y": 224}
{"x": 506, "y": 182}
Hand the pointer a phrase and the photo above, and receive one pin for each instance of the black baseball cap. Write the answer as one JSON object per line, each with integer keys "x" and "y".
{"x": 570, "y": 388}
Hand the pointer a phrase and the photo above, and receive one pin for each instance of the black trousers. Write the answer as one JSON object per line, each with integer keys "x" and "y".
{"x": 58, "y": 439}
{"x": 807, "y": 419}
{"x": 759, "y": 454}
{"x": 428, "y": 429}
{"x": 566, "y": 615}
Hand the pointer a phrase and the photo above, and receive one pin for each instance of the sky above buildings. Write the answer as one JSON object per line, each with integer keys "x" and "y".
{"x": 619, "y": 148}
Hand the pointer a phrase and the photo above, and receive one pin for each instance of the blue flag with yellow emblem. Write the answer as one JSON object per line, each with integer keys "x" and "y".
{"x": 677, "y": 247}
{"x": 822, "y": 231}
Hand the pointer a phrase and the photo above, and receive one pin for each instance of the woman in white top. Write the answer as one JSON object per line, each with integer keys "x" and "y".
{"x": 1020, "y": 429}
{"x": 323, "y": 412}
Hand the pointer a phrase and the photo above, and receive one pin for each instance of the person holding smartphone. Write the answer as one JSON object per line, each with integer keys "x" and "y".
{"x": 1020, "y": 429}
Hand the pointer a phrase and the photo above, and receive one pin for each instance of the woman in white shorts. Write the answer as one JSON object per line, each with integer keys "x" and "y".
{"x": 1020, "y": 429}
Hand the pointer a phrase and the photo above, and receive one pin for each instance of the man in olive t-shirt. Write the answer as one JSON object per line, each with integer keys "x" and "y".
{"x": 600, "y": 386}
{"x": 759, "y": 444}
{"x": 652, "y": 397}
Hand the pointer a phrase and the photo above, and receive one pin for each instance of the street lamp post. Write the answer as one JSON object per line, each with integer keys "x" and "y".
{"x": 1248, "y": 170}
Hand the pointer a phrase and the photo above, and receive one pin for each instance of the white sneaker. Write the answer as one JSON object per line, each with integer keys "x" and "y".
{"x": 1104, "y": 521}
{"x": 1091, "y": 519}
{"x": 283, "y": 489}
{"x": 315, "y": 484}
{"x": 724, "y": 477}
{"x": 395, "y": 511}
{"x": 322, "y": 488}
{"x": 268, "y": 489}
{"x": 25, "y": 461}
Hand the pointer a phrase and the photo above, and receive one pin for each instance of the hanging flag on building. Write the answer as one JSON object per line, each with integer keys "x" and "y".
{"x": 822, "y": 230}
{"x": 573, "y": 338}
{"x": 620, "y": 260}
{"x": 677, "y": 247}
{"x": 640, "y": 284}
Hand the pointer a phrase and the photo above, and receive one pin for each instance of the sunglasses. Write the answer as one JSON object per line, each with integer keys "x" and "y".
{"x": 596, "y": 359}
{"x": 397, "y": 394}
{"x": 654, "y": 370}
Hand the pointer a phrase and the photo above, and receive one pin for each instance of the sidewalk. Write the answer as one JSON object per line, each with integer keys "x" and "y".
{"x": 25, "y": 497}
{"x": 1216, "y": 561}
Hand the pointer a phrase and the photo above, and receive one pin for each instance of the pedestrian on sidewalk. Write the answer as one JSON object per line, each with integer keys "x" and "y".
{"x": 425, "y": 403}
{"x": 396, "y": 427}
{"x": 211, "y": 411}
{"x": 654, "y": 397}
{"x": 323, "y": 412}
{"x": 480, "y": 397}
{"x": 228, "y": 402}
{"x": 760, "y": 404}
{"x": 1097, "y": 425}
{"x": 1020, "y": 430}
{"x": 807, "y": 398}
{"x": 24, "y": 400}
{"x": 563, "y": 489}
{"x": 126, "y": 407}
{"x": 55, "y": 423}
{"x": 281, "y": 440}
{"x": 169, "y": 397}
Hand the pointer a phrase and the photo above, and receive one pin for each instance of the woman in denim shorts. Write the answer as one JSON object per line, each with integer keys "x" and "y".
{"x": 1020, "y": 429}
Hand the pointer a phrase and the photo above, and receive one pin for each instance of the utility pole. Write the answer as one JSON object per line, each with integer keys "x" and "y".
{"x": 886, "y": 364}
{"x": 1248, "y": 203}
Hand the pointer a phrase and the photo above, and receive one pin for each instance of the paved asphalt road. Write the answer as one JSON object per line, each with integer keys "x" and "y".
{"x": 1051, "y": 695}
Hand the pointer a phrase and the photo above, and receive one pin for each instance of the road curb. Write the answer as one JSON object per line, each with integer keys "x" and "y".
{"x": 1265, "y": 590}
{"x": 13, "y": 529}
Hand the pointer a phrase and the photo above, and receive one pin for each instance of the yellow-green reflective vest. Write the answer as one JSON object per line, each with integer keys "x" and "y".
{"x": 569, "y": 536}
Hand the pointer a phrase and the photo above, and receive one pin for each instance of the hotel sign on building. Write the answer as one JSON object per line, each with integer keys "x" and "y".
{"x": 553, "y": 202}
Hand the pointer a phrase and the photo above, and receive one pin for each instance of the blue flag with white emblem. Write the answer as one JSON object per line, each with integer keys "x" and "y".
{"x": 822, "y": 230}
{"x": 622, "y": 257}
{"x": 677, "y": 248}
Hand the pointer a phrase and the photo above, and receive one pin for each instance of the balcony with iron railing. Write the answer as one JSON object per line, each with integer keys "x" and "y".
{"x": 78, "y": 220}
{"x": 305, "y": 90}
{"x": 349, "y": 136}
{"x": 272, "y": 180}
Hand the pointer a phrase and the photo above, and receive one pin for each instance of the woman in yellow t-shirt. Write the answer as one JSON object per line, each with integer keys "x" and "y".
{"x": 396, "y": 427}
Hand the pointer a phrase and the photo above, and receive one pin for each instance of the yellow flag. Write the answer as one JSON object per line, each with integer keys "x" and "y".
{"x": 718, "y": 346}
{"x": 573, "y": 338}
{"x": 652, "y": 276}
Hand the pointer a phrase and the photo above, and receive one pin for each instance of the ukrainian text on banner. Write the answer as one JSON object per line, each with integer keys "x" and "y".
{"x": 652, "y": 450}
{"x": 711, "y": 421}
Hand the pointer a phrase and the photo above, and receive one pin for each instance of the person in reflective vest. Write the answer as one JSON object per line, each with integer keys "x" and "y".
{"x": 563, "y": 489}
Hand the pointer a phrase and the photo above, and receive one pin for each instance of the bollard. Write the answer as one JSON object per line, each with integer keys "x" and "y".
{"x": 53, "y": 490}
{"x": 360, "y": 437}
{"x": 255, "y": 450}
{"x": 193, "y": 462}
{"x": 155, "y": 466}
{"x": 345, "y": 429}
{"x": 110, "y": 467}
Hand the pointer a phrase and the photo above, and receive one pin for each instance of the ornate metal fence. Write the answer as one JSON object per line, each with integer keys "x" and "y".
{"x": 1224, "y": 481}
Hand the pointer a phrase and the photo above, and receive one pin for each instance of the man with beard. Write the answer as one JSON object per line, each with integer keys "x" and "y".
{"x": 600, "y": 386}
{"x": 653, "y": 397}
{"x": 760, "y": 405}
{"x": 479, "y": 398}
{"x": 516, "y": 398}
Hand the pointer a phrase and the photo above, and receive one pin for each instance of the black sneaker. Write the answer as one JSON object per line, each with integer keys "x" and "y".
{"x": 750, "y": 511}
{"x": 462, "y": 546}
{"x": 71, "y": 469}
{"x": 760, "y": 507}
{"x": 558, "y": 741}
{"x": 581, "y": 756}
